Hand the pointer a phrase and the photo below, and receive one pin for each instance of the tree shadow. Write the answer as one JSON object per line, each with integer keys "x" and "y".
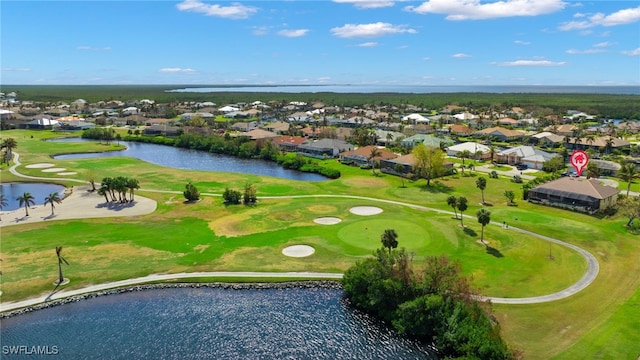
{"x": 493, "y": 251}
{"x": 470, "y": 232}
{"x": 436, "y": 187}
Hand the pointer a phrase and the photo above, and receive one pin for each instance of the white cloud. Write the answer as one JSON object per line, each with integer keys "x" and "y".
{"x": 176, "y": 70}
{"x": 621, "y": 17}
{"x": 602, "y": 44}
{"x": 460, "y": 55}
{"x": 475, "y": 10}
{"x": 323, "y": 79}
{"x": 635, "y": 52}
{"x": 90, "y": 48}
{"x": 521, "y": 42}
{"x": 426, "y": 58}
{"x": 293, "y": 33}
{"x": 370, "y": 30}
{"x": 233, "y": 11}
{"x": 368, "y": 44}
{"x": 587, "y": 51}
{"x": 530, "y": 63}
{"x": 367, "y": 4}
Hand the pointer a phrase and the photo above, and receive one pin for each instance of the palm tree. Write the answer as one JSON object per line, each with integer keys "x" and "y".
{"x": 3, "y": 202}
{"x": 484, "y": 217}
{"x": 51, "y": 199}
{"x": 60, "y": 261}
{"x": 27, "y": 200}
{"x": 462, "y": 206}
{"x": 375, "y": 152}
{"x": 132, "y": 184}
{"x": 481, "y": 183}
{"x": 492, "y": 153}
{"x": 453, "y": 202}
{"x": 399, "y": 169}
{"x": 389, "y": 239}
{"x": 628, "y": 173}
{"x": 464, "y": 154}
{"x": 9, "y": 144}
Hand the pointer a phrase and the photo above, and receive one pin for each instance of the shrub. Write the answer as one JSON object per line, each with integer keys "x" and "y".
{"x": 231, "y": 197}
{"x": 191, "y": 193}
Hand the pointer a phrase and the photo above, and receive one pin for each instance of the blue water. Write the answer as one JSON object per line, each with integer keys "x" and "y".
{"x": 207, "y": 323}
{"x": 196, "y": 160}
{"x": 420, "y": 89}
{"x": 11, "y": 192}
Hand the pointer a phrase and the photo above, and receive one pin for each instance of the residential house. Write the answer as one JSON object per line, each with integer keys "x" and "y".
{"x": 427, "y": 140}
{"x": 547, "y": 138}
{"x": 500, "y": 133}
{"x": 278, "y": 127}
{"x": 163, "y": 130}
{"x": 460, "y": 130}
{"x": 407, "y": 165}
{"x": 527, "y": 155}
{"x": 360, "y": 156}
{"x": 478, "y": 151}
{"x": 578, "y": 194}
{"x": 260, "y": 135}
{"x": 324, "y": 148}
{"x": 244, "y": 126}
{"x": 289, "y": 143}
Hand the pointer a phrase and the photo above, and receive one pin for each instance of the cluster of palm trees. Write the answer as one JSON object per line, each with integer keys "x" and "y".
{"x": 116, "y": 189}
{"x": 26, "y": 200}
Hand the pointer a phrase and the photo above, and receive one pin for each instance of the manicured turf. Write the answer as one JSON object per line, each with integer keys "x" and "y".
{"x": 208, "y": 236}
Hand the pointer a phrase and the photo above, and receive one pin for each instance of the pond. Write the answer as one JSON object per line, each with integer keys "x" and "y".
{"x": 11, "y": 192}
{"x": 210, "y": 323}
{"x": 196, "y": 160}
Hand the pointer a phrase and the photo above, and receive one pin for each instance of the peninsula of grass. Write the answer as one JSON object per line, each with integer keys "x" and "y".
{"x": 208, "y": 236}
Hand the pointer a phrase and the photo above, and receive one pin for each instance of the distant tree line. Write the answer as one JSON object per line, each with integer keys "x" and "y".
{"x": 434, "y": 304}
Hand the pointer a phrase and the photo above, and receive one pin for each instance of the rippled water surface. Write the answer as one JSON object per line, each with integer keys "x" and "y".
{"x": 207, "y": 323}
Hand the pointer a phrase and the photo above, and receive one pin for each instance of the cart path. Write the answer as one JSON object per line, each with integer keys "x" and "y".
{"x": 590, "y": 275}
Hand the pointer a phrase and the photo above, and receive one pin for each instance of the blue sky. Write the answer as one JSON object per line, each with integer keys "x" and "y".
{"x": 435, "y": 42}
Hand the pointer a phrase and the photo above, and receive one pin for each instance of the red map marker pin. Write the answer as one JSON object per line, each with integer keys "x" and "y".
{"x": 579, "y": 160}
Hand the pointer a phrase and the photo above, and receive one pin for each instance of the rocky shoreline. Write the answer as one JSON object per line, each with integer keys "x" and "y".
{"x": 308, "y": 284}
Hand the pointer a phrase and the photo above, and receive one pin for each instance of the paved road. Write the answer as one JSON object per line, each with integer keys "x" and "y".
{"x": 590, "y": 275}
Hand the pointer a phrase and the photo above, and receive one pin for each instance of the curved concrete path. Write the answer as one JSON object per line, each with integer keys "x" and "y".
{"x": 590, "y": 275}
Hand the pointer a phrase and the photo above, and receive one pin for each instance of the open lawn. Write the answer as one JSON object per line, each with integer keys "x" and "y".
{"x": 601, "y": 321}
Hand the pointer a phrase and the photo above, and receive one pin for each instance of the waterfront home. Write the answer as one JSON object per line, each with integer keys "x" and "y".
{"x": 361, "y": 156}
{"x": 324, "y": 148}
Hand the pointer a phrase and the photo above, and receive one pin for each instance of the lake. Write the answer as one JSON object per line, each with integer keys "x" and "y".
{"x": 210, "y": 323}
{"x": 11, "y": 191}
{"x": 188, "y": 159}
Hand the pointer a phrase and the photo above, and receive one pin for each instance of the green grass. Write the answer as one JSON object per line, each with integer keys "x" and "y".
{"x": 601, "y": 321}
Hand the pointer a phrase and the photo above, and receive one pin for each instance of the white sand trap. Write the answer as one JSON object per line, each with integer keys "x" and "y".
{"x": 328, "y": 220}
{"x": 54, "y": 170}
{"x": 39, "y": 166}
{"x": 298, "y": 251}
{"x": 67, "y": 173}
{"x": 365, "y": 210}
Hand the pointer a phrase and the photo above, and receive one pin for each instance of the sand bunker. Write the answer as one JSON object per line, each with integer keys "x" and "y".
{"x": 298, "y": 251}
{"x": 53, "y": 169}
{"x": 365, "y": 210}
{"x": 39, "y": 166}
{"x": 67, "y": 173}
{"x": 328, "y": 220}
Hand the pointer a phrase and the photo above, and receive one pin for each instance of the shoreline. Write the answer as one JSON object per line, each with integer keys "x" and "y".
{"x": 306, "y": 284}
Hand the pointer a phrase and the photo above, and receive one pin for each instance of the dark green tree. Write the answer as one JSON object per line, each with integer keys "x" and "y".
{"x": 249, "y": 197}
{"x": 191, "y": 193}
{"x": 484, "y": 217}
{"x": 481, "y": 183}
{"x": 3, "y": 202}
{"x": 453, "y": 202}
{"x": 462, "y": 205}
{"x": 389, "y": 239}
